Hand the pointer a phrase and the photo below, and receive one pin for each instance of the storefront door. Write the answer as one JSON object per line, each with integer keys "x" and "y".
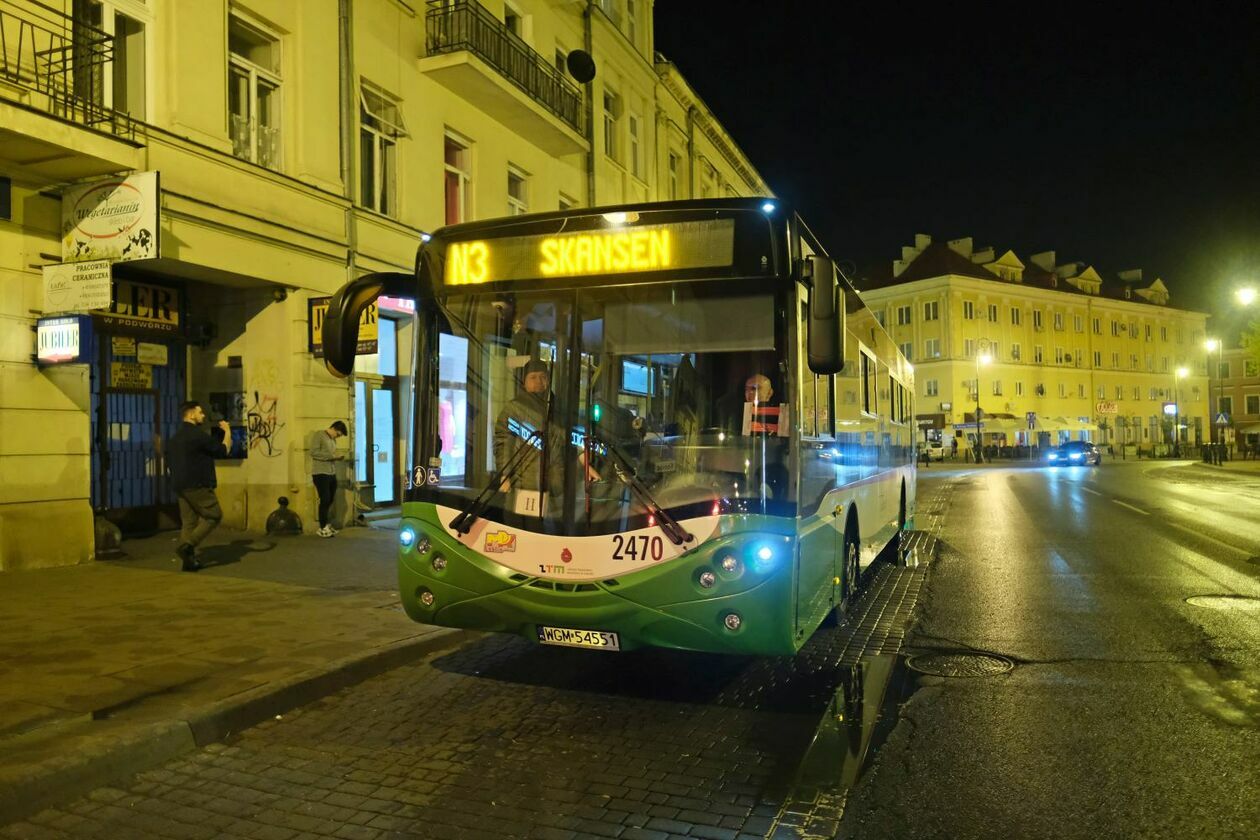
{"x": 376, "y": 438}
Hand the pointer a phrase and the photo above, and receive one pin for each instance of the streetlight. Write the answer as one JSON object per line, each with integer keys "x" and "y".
{"x": 1182, "y": 373}
{"x": 1246, "y": 295}
{"x": 982, "y": 358}
{"x": 1219, "y": 346}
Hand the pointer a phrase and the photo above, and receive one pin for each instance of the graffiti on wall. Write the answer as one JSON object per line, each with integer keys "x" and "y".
{"x": 263, "y": 424}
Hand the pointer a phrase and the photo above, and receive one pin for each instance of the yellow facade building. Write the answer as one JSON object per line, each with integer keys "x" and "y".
{"x": 1049, "y": 351}
{"x": 294, "y": 146}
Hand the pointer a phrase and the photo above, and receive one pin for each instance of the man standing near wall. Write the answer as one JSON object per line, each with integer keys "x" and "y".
{"x": 323, "y": 455}
{"x": 191, "y": 455}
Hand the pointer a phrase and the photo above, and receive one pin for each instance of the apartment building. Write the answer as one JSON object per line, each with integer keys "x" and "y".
{"x": 1236, "y": 395}
{"x": 1047, "y": 350}
{"x": 266, "y": 152}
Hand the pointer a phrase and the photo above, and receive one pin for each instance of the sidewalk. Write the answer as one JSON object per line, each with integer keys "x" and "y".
{"x": 110, "y": 667}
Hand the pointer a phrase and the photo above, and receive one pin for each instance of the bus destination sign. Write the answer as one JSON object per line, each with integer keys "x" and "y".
{"x": 621, "y": 250}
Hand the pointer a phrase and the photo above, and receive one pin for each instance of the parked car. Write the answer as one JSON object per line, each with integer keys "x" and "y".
{"x": 935, "y": 451}
{"x": 1074, "y": 452}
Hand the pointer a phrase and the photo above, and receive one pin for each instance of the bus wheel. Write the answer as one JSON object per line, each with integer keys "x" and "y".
{"x": 901, "y": 530}
{"x": 851, "y": 574}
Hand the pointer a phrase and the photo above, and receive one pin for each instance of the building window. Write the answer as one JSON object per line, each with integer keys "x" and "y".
{"x": 1115, "y": 360}
{"x": 562, "y": 61}
{"x": 903, "y": 315}
{"x": 635, "y": 125}
{"x": 932, "y": 348}
{"x": 870, "y": 401}
{"x": 254, "y": 93}
{"x": 632, "y": 22}
{"x": 1097, "y": 358}
{"x": 1063, "y": 389}
{"x": 1019, "y": 389}
{"x": 1148, "y": 332}
{"x": 567, "y": 202}
{"x": 673, "y": 176}
{"x": 1250, "y": 369}
{"x": 1227, "y": 405}
{"x": 514, "y": 21}
{"x": 931, "y": 311}
{"x": 993, "y": 312}
{"x": 1080, "y": 390}
{"x": 1223, "y": 370}
{"x": 380, "y": 126}
{"x": 612, "y": 110}
{"x": 1058, "y": 355}
{"x": 1078, "y": 323}
{"x": 879, "y": 316}
{"x": 1133, "y": 329}
{"x": 931, "y": 388}
{"x": 1163, "y": 333}
{"x": 1037, "y": 319}
{"x": 969, "y": 347}
{"x": 1115, "y": 328}
{"x": 1253, "y": 404}
{"x": 1015, "y": 352}
{"x": 1102, "y": 392}
{"x": 1098, "y": 326}
{"x": 517, "y": 202}
{"x": 1015, "y": 316}
{"x": 458, "y": 179}
{"x": 1038, "y": 356}
{"x": 1163, "y": 364}
{"x": 120, "y": 83}
{"x": 1119, "y": 392}
{"x": 997, "y": 387}
{"x": 907, "y": 349}
{"x": 969, "y": 310}
{"x": 1058, "y": 321}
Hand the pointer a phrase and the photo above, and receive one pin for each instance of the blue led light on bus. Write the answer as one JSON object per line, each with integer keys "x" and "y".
{"x": 407, "y": 536}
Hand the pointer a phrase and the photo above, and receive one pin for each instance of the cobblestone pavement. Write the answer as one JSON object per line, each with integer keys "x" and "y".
{"x": 503, "y": 738}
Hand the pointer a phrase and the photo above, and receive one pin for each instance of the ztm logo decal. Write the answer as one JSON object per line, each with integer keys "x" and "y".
{"x": 551, "y": 570}
{"x": 498, "y": 542}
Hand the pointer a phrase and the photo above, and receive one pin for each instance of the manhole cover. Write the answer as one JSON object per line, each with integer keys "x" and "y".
{"x": 1225, "y": 602}
{"x": 960, "y": 664}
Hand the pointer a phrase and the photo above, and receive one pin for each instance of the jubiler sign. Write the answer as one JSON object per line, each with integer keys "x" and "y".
{"x": 115, "y": 219}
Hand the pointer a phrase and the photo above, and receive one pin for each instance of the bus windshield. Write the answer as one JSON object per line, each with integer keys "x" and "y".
{"x": 677, "y": 388}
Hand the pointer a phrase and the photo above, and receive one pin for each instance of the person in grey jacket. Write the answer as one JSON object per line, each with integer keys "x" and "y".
{"x": 323, "y": 456}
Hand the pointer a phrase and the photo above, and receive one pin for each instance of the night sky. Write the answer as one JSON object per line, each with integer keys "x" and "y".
{"x": 1122, "y": 144}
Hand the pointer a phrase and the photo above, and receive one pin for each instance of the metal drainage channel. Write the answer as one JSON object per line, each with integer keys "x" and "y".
{"x": 1244, "y": 603}
{"x": 963, "y": 663}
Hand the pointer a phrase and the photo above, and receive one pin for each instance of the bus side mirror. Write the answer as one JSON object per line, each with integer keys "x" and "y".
{"x": 826, "y": 317}
{"x": 341, "y": 323}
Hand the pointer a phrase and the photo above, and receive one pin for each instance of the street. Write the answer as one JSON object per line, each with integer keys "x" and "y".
{"x": 1129, "y": 711}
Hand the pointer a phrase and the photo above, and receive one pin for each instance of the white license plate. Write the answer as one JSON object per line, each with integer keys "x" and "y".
{"x": 598, "y": 639}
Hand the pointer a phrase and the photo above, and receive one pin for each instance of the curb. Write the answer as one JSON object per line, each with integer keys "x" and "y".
{"x": 102, "y": 752}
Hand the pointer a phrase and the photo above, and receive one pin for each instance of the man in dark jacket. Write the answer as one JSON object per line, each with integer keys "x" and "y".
{"x": 190, "y": 453}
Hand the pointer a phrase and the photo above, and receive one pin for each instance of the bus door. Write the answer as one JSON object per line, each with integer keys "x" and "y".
{"x": 820, "y": 541}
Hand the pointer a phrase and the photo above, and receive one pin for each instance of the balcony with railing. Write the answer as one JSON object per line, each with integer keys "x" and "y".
{"x": 475, "y": 55}
{"x": 52, "y": 65}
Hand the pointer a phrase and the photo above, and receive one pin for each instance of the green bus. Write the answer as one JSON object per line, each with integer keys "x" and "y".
{"x": 669, "y": 424}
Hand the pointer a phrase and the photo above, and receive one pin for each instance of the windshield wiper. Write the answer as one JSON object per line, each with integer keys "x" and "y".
{"x": 523, "y": 455}
{"x": 621, "y": 466}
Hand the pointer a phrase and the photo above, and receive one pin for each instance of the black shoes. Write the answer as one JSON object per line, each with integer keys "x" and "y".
{"x": 186, "y": 554}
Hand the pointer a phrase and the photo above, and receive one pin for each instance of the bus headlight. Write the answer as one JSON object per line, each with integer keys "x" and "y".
{"x": 707, "y": 579}
{"x": 730, "y": 564}
{"x": 407, "y": 536}
{"x": 763, "y": 558}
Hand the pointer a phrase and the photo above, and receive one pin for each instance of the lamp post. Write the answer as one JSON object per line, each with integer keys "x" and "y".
{"x": 1246, "y": 295}
{"x": 1182, "y": 373}
{"x": 1210, "y": 345}
{"x": 982, "y": 358}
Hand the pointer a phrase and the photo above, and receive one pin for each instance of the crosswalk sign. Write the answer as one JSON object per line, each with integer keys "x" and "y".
{"x": 1222, "y": 419}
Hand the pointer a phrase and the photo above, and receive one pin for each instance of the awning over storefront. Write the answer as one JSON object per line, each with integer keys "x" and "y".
{"x": 1247, "y": 428}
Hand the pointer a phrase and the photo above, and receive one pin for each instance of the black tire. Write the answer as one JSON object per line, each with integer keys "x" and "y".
{"x": 850, "y": 571}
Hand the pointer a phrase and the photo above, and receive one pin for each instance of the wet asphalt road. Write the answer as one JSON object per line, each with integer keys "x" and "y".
{"x": 1130, "y": 712}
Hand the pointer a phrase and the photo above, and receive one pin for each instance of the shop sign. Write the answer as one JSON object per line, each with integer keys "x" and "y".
{"x": 77, "y": 287}
{"x": 151, "y": 354}
{"x": 141, "y": 307}
{"x": 130, "y": 375}
{"x": 63, "y": 340}
{"x": 1106, "y": 407}
{"x": 122, "y": 346}
{"x": 114, "y": 219}
{"x": 317, "y": 308}
{"x": 930, "y": 421}
{"x": 1170, "y": 408}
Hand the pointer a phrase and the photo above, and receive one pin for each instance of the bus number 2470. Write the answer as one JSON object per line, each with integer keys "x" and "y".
{"x": 640, "y": 548}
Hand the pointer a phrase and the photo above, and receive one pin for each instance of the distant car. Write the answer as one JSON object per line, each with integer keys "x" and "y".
{"x": 935, "y": 451}
{"x": 1073, "y": 453}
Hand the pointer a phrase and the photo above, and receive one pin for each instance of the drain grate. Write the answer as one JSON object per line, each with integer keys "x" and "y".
{"x": 1225, "y": 602}
{"x": 966, "y": 664}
